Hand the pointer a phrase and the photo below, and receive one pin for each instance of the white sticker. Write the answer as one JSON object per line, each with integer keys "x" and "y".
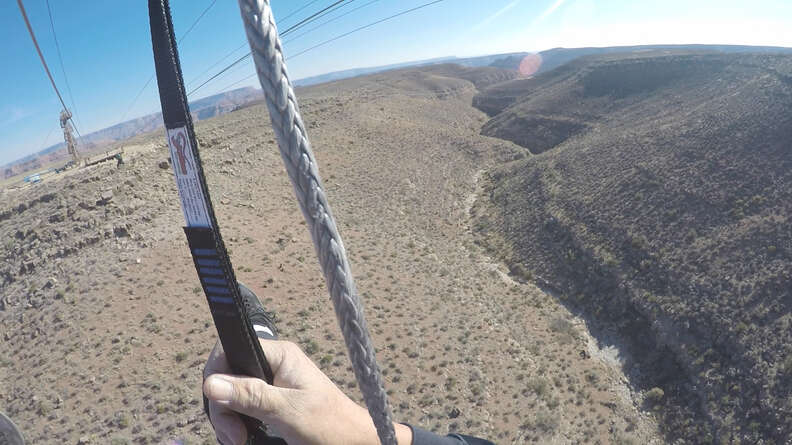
{"x": 186, "y": 174}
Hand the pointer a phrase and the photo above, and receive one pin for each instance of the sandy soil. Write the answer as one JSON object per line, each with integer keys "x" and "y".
{"x": 106, "y": 343}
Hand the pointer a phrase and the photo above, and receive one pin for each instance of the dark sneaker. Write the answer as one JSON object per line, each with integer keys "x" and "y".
{"x": 265, "y": 328}
{"x": 262, "y": 321}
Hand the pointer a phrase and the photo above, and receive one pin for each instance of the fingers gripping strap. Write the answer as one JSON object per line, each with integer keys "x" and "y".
{"x": 211, "y": 261}
{"x": 225, "y": 302}
{"x": 236, "y": 332}
{"x": 234, "y": 327}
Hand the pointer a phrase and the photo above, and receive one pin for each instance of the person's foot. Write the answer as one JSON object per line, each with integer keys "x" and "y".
{"x": 262, "y": 321}
{"x": 262, "y": 324}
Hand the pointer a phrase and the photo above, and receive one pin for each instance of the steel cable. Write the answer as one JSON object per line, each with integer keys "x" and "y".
{"x": 303, "y": 172}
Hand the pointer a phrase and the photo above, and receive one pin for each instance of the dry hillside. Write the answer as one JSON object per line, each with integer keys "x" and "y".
{"x": 105, "y": 331}
{"x": 659, "y": 202}
{"x": 111, "y": 137}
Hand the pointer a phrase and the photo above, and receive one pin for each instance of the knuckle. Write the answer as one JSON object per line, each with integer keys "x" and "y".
{"x": 243, "y": 394}
{"x": 253, "y": 397}
{"x": 258, "y": 401}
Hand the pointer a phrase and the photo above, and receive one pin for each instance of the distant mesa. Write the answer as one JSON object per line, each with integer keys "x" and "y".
{"x": 527, "y": 64}
{"x": 103, "y": 139}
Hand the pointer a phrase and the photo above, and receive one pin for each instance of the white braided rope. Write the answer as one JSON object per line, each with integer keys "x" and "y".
{"x": 302, "y": 169}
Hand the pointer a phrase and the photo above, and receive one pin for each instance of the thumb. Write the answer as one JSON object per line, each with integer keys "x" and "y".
{"x": 247, "y": 395}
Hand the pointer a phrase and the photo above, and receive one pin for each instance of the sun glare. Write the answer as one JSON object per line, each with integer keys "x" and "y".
{"x": 530, "y": 64}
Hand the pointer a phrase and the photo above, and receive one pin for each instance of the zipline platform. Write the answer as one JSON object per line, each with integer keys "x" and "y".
{"x": 103, "y": 157}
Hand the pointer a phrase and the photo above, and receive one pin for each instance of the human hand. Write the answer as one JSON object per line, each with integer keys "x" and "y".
{"x": 303, "y": 405}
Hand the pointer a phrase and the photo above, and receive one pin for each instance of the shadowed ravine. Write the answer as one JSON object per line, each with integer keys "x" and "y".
{"x": 661, "y": 212}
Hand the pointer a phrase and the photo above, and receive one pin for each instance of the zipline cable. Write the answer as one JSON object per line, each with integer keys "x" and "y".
{"x": 296, "y": 11}
{"x": 362, "y": 28}
{"x": 228, "y": 67}
{"x": 197, "y": 20}
{"x": 344, "y": 35}
{"x": 245, "y": 44}
{"x": 44, "y": 144}
{"x": 148, "y": 82}
{"x": 216, "y": 63}
{"x": 328, "y": 21}
{"x": 63, "y": 70}
{"x": 38, "y": 50}
{"x": 227, "y": 87}
{"x": 303, "y": 172}
{"x": 304, "y": 22}
{"x": 315, "y": 16}
{"x": 137, "y": 96}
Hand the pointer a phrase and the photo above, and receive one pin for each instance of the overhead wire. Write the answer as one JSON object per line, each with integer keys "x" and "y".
{"x": 316, "y": 15}
{"x": 63, "y": 70}
{"x": 344, "y": 35}
{"x": 329, "y": 21}
{"x": 302, "y": 23}
{"x": 361, "y": 28}
{"x": 298, "y": 10}
{"x": 148, "y": 82}
{"x": 305, "y": 21}
{"x": 227, "y": 87}
{"x": 219, "y": 73}
{"x": 38, "y": 50}
{"x": 244, "y": 44}
{"x": 195, "y": 22}
{"x": 313, "y": 17}
{"x": 44, "y": 144}
{"x": 137, "y": 96}
{"x": 216, "y": 63}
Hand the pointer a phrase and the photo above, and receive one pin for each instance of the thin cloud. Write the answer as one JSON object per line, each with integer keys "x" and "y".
{"x": 497, "y": 14}
{"x": 15, "y": 115}
{"x": 549, "y": 11}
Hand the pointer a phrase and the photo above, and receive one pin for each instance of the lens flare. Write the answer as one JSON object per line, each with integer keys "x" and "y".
{"x": 530, "y": 64}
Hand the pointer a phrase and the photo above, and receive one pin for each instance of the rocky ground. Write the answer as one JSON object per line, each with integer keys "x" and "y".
{"x": 659, "y": 203}
{"x": 105, "y": 329}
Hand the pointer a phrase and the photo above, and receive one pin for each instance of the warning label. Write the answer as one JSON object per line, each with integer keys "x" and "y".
{"x": 186, "y": 173}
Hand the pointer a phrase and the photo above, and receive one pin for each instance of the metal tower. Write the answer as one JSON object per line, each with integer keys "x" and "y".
{"x": 65, "y": 123}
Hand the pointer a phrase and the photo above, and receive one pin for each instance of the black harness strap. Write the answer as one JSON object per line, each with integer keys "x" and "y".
{"x": 211, "y": 259}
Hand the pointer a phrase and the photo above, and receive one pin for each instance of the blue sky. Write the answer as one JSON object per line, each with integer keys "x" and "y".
{"x": 107, "y": 48}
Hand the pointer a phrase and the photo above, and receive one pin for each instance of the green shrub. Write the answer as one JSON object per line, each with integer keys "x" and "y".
{"x": 311, "y": 347}
{"x": 122, "y": 421}
{"x": 546, "y": 421}
{"x": 592, "y": 376}
{"x": 655, "y": 395}
{"x": 521, "y": 272}
{"x": 624, "y": 440}
{"x": 539, "y": 385}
